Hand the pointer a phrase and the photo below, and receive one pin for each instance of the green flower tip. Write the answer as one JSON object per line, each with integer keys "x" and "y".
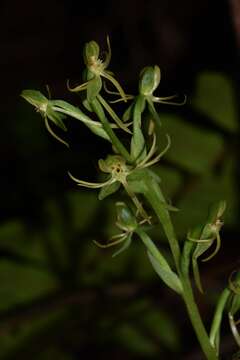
{"x": 91, "y": 52}
{"x": 149, "y": 80}
{"x": 34, "y": 97}
{"x": 125, "y": 217}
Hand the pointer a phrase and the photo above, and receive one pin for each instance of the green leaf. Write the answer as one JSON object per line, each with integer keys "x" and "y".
{"x": 108, "y": 190}
{"x": 87, "y": 105}
{"x": 130, "y": 337}
{"x": 138, "y": 148}
{"x": 128, "y": 113}
{"x": 192, "y": 148}
{"x": 76, "y": 113}
{"x": 215, "y": 97}
{"x": 169, "y": 277}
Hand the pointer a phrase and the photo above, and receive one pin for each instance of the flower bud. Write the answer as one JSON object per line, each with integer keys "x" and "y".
{"x": 90, "y": 52}
{"x": 149, "y": 80}
{"x": 125, "y": 217}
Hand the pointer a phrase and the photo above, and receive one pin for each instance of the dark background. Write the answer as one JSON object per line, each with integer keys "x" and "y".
{"x": 41, "y": 43}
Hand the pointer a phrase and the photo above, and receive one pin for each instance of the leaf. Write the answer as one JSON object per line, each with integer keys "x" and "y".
{"x": 196, "y": 274}
{"x": 76, "y": 113}
{"x": 193, "y": 149}
{"x": 130, "y": 337}
{"x": 138, "y": 147}
{"x": 215, "y": 97}
{"x": 87, "y": 105}
{"x": 128, "y": 113}
{"x": 169, "y": 277}
{"x": 108, "y": 190}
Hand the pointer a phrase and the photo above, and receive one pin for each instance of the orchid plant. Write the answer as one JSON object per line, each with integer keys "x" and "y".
{"x": 130, "y": 166}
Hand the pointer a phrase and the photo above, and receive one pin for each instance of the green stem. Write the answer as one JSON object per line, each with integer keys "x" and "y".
{"x": 218, "y": 316}
{"x": 191, "y": 306}
{"x": 156, "y": 199}
{"x": 115, "y": 141}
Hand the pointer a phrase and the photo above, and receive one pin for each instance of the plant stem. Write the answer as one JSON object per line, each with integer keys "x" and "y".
{"x": 196, "y": 320}
{"x": 115, "y": 141}
{"x": 191, "y": 306}
{"x": 215, "y": 328}
{"x": 156, "y": 199}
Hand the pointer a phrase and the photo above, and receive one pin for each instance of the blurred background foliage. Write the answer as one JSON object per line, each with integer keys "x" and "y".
{"x": 61, "y": 296}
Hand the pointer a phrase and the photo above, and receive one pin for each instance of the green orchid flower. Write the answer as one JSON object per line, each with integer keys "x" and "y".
{"x": 119, "y": 170}
{"x": 148, "y": 82}
{"x": 46, "y": 108}
{"x": 96, "y": 69}
{"x": 127, "y": 223}
{"x": 204, "y": 236}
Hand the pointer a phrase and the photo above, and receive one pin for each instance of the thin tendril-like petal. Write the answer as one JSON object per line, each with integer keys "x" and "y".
{"x": 159, "y": 156}
{"x": 218, "y": 245}
{"x": 127, "y": 97}
{"x": 115, "y": 83}
{"x": 118, "y": 236}
{"x": 104, "y": 246}
{"x": 90, "y": 184}
{"x": 234, "y": 328}
{"x": 79, "y": 87}
{"x": 126, "y": 245}
{"x": 109, "y": 54}
{"x": 112, "y": 113}
{"x": 199, "y": 240}
{"x": 150, "y": 154}
{"x": 109, "y": 91}
{"x": 163, "y": 101}
{"x": 157, "y": 98}
{"x": 53, "y": 133}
